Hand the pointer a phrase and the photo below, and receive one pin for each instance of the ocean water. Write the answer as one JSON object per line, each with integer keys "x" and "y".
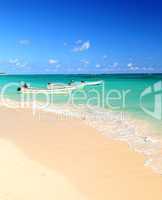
{"x": 126, "y": 107}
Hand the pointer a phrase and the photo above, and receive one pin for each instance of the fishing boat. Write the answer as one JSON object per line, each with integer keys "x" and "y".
{"x": 2, "y": 73}
{"x": 73, "y": 85}
{"x": 91, "y": 83}
{"x": 56, "y": 90}
{"x": 54, "y": 86}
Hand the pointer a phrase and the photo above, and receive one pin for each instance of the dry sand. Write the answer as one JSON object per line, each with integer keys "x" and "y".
{"x": 42, "y": 158}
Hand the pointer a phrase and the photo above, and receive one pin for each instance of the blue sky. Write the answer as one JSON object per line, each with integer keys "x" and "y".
{"x": 80, "y": 36}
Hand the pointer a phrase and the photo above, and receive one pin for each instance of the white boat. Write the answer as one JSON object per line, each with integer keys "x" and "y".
{"x": 45, "y": 91}
{"x": 92, "y": 83}
{"x": 75, "y": 85}
{"x": 54, "y": 88}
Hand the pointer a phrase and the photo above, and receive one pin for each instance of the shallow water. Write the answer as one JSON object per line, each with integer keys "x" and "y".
{"x": 113, "y": 108}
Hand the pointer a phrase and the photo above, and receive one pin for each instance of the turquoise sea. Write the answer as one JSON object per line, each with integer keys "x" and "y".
{"x": 136, "y": 83}
{"x": 121, "y": 93}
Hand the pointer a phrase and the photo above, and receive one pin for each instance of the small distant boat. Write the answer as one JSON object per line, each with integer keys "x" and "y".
{"x": 55, "y": 86}
{"x": 92, "y": 83}
{"x": 73, "y": 85}
{"x": 58, "y": 89}
{"x": 2, "y": 73}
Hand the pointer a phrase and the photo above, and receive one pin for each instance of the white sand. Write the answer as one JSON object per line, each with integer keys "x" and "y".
{"x": 23, "y": 179}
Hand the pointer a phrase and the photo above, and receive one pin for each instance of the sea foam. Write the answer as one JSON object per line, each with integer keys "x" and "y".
{"x": 118, "y": 126}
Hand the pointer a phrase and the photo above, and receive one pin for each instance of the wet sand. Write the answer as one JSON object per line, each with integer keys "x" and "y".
{"x": 43, "y": 157}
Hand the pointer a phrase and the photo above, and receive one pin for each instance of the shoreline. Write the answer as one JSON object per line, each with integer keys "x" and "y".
{"x": 93, "y": 166}
{"x": 132, "y": 131}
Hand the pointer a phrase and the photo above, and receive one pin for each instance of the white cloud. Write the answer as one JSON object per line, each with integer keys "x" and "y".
{"x": 130, "y": 65}
{"x": 133, "y": 67}
{"x": 24, "y": 42}
{"x": 83, "y": 46}
{"x": 98, "y": 65}
{"x": 58, "y": 66}
{"x": 115, "y": 64}
{"x": 85, "y": 62}
{"x": 17, "y": 62}
{"x": 24, "y": 64}
{"x": 53, "y": 61}
{"x": 13, "y": 61}
{"x": 105, "y": 56}
{"x": 79, "y": 69}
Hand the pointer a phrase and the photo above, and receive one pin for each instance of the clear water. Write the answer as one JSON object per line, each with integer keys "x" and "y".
{"x": 135, "y": 83}
{"x": 142, "y": 131}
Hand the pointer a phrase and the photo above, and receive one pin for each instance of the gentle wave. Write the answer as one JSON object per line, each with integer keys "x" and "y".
{"x": 119, "y": 126}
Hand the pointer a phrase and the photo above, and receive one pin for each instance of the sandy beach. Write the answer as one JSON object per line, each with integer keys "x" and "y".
{"x": 43, "y": 157}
